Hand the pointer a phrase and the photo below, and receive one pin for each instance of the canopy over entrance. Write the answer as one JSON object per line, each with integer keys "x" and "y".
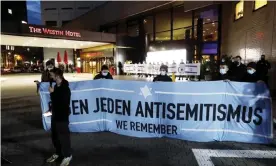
{"x": 47, "y": 42}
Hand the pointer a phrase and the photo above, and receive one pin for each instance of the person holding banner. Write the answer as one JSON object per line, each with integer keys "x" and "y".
{"x": 163, "y": 77}
{"x": 251, "y": 75}
{"x": 104, "y": 74}
{"x": 223, "y": 72}
{"x": 60, "y": 97}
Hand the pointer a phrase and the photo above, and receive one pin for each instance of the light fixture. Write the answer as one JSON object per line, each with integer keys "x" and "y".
{"x": 9, "y": 11}
{"x": 208, "y": 19}
{"x": 213, "y": 23}
{"x": 23, "y": 22}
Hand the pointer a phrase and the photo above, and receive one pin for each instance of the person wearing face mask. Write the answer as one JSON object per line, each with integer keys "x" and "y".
{"x": 223, "y": 72}
{"x": 238, "y": 70}
{"x": 60, "y": 97}
{"x": 104, "y": 74}
{"x": 262, "y": 69}
{"x": 251, "y": 75}
{"x": 163, "y": 77}
{"x": 45, "y": 77}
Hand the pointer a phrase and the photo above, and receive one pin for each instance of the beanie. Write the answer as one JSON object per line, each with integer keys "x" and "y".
{"x": 252, "y": 65}
{"x": 104, "y": 67}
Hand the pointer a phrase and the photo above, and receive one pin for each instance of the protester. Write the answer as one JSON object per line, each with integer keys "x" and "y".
{"x": 238, "y": 70}
{"x": 251, "y": 75}
{"x": 262, "y": 69}
{"x": 223, "y": 72}
{"x": 181, "y": 76}
{"x": 60, "y": 97}
{"x": 45, "y": 77}
{"x": 163, "y": 75}
{"x": 104, "y": 74}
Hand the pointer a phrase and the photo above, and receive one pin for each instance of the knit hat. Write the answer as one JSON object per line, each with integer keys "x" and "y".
{"x": 164, "y": 67}
{"x": 252, "y": 65}
{"x": 104, "y": 67}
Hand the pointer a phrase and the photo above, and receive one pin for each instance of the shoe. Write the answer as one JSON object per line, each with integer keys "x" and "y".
{"x": 53, "y": 158}
{"x": 66, "y": 161}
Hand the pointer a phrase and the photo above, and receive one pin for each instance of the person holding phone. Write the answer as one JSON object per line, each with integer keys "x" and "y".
{"x": 60, "y": 97}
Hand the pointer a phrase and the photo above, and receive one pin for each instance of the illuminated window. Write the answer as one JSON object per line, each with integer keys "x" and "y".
{"x": 259, "y": 4}
{"x": 239, "y": 10}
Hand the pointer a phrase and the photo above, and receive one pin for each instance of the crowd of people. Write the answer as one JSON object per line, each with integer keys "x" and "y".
{"x": 60, "y": 95}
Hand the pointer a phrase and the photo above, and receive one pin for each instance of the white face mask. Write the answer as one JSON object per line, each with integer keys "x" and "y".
{"x": 162, "y": 73}
{"x": 50, "y": 68}
{"x": 104, "y": 73}
{"x": 250, "y": 71}
{"x": 222, "y": 71}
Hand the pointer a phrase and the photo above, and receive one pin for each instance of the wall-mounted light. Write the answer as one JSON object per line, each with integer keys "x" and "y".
{"x": 23, "y": 22}
{"x": 9, "y": 11}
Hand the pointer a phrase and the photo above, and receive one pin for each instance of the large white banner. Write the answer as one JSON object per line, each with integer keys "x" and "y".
{"x": 178, "y": 69}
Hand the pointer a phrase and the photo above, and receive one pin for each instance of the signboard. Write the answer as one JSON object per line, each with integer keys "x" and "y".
{"x": 52, "y": 32}
{"x": 180, "y": 69}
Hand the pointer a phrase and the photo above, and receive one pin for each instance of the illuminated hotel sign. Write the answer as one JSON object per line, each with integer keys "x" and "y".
{"x": 54, "y": 32}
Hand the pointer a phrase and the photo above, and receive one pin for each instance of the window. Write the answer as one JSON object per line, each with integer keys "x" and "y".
{"x": 148, "y": 25}
{"x": 67, "y": 8}
{"x": 65, "y": 22}
{"x": 239, "y": 10}
{"x": 210, "y": 32}
{"x": 51, "y": 23}
{"x": 163, "y": 21}
{"x": 9, "y": 11}
{"x": 259, "y": 3}
{"x": 163, "y": 36}
{"x": 181, "y": 19}
{"x": 50, "y": 9}
{"x": 83, "y": 8}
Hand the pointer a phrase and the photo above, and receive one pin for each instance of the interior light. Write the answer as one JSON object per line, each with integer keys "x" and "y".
{"x": 213, "y": 23}
{"x": 174, "y": 55}
{"x": 9, "y": 11}
{"x": 23, "y": 22}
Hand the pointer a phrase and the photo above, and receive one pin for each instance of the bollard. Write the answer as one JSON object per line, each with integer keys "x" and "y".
{"x": 173, "y": 77}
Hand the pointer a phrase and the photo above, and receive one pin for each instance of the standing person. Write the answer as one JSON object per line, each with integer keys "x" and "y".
{"x": 238, "y": 70}
{"x": 163, "y": 77}
{"x": 104, "y": 74}
{"x": 223, "y": 72}
{"x": 60, "y": 97}
{"x": 45, "y": 77}
{"x": 262, "y": 69}
{"x": 181, "y": 76}
{"x": 251, "y": 75}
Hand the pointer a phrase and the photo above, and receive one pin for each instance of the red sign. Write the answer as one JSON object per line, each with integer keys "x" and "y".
{"x": 49, "y": 31}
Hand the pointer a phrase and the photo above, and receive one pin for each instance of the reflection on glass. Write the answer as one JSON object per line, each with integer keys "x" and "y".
{"x": 163, "y": 21}
{"x": 210, "y": 31}
{"x": 239, "y": 10}
{"x": 259, "y": 3}
{"x": 179, "y": 34}
{"x": 133, "y": 31}
{"x": 148, "y": 24}
{"x": 163, "y": 36}
{"x": 208, "y": 16}
{"x": 181, "y": 19}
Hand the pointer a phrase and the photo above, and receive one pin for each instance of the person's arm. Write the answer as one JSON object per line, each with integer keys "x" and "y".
{"x": 268, "y": 65}
{"x": 97, "y": 77}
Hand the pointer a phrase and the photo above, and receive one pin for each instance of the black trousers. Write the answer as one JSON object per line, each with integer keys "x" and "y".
{"x": 61, "y": 138}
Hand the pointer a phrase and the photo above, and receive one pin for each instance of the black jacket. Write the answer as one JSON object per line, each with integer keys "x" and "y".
{"x": 237, "y": 73}
{"x": 45, "y": 77}
{"x": 61, "y": 102}
{"x": 161, "y": 78}
{"x": 262, "y": 67}
{"x": 223, "y": 77}
{"x": 251, "y": 77}
{"x": 100, "y": 76}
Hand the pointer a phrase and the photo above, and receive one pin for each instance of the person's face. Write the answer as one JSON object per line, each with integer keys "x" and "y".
{"x": 250, "y": 70}
{"x": 104, "y": 72}
{"x": 50, "y": 67}
{"x": 238, "y": 60}
{"x": 163, "y": 72}
{"x": 263, "y": 57}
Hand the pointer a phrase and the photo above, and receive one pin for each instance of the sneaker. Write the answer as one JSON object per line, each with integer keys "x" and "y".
{"x": 53, "y": 158}
{"x": 66, "y": 161}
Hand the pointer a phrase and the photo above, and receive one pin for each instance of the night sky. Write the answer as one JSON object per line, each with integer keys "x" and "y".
{"x": 34, "y": 12}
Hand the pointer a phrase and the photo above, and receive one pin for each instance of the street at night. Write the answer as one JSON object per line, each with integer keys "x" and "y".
{"x": 25, "y": 142}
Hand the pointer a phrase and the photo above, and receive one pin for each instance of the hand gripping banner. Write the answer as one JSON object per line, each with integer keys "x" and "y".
{"x": 194, "y": 111}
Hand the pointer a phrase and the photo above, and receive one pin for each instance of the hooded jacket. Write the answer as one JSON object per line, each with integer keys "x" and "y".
{"x": 100, "y": 76}
{"x": 61, "y": 102}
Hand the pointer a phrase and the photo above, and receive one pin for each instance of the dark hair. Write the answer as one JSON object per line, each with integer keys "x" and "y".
{"x": 238, "y": 57}
{"x": 164, "y": 67}
{"x": 263, "y": 55}
{"x": 104, "y": 67}
{"x": 57, "y": 72}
